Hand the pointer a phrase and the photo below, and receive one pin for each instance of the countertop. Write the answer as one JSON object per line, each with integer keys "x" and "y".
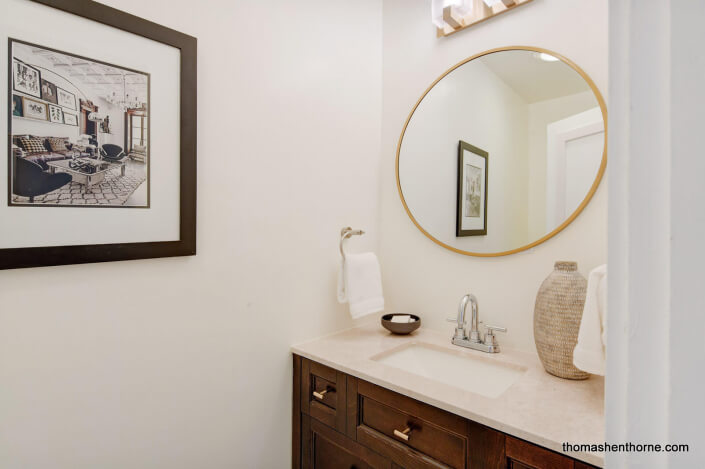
{"x": 538, "y": 407}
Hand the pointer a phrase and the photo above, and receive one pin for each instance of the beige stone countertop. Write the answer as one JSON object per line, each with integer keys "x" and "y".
{"x": 538, "y": 407}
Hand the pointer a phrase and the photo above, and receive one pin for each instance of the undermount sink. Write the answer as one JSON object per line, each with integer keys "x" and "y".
{"x": 460, "y": 369}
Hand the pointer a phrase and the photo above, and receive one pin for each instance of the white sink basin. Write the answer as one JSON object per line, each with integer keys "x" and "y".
{"x": 461, "y": 368}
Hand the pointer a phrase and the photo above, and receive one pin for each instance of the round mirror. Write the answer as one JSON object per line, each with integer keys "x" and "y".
{"x": 502, "y": 151}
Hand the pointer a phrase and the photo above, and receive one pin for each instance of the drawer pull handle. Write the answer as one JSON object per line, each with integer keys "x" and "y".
{"x": 320, "y": 395}
{"x": 404, "y": 435}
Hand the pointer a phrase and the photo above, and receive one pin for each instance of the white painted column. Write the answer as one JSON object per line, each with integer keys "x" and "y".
{"x": 687, "y": 331}
{"x": 656, "y": 349}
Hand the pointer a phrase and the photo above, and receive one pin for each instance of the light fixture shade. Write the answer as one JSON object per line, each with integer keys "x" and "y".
{"x": 547, "y": 57}
{"x": 462, "y": 7}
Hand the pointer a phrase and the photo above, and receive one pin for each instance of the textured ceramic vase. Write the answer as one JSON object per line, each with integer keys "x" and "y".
{"x": 557, "y": 314}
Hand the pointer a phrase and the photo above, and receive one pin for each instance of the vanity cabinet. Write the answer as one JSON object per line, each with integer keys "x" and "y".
{"x": 343, "y": 422}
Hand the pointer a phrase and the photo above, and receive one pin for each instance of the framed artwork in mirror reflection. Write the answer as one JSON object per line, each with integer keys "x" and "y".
{"x": 471, "y": 218}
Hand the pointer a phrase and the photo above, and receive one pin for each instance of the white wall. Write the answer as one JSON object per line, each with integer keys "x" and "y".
{"x": 184, "y": 363}
{"x": 117, "y": 123}
{"x": 655, "y": 386}
{"x": 424, "y": 278}
{"x": 474, "y": 105}
{"x": 25, "y": 125}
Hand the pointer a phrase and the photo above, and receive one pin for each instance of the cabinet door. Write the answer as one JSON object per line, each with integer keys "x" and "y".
{"x": 512, "y": 464}
{"x": 324, "y": 448}
{"x": 485, "y": 447}
{"x": 523, "y": 455}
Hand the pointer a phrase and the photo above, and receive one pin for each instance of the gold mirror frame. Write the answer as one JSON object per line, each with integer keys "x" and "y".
{"x": 583, "y": 204}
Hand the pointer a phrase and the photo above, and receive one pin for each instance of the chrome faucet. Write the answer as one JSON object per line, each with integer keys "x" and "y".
{"x": 474, "y": 340}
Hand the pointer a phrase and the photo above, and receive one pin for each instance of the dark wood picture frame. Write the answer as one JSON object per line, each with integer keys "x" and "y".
{"x": 47, "y": 89}
{"x": 459, "y": 232}
{"x": 14, "y": 258}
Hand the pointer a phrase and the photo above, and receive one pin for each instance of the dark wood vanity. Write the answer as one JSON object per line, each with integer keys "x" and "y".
{"x": 343, "y": 422}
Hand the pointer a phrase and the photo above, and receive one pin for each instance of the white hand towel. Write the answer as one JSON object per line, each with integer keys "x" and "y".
{"x": 589, "y": 353}
{"x": 360, "y": 284}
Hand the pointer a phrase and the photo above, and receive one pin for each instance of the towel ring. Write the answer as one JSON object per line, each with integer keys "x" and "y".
{"x": 345, "y": 233}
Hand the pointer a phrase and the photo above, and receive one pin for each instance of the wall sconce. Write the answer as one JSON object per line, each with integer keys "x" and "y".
{"x": 450, "y": 16}
{"x": 449, "y": 12}
{"x": 545, "y": 57}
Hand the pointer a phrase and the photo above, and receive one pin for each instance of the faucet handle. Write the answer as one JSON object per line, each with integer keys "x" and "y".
{"x": 490, "y": 338}
{"x": 459, "y": 329}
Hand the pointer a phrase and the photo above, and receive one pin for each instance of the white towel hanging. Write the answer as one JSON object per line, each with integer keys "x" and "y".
{"x": 589, "y": 353}
{"x": 360, "y": 284}
{"x": 359, "y": 279}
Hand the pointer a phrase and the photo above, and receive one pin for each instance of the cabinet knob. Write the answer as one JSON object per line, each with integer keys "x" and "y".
{"x": 321, "y": 394}
{"x": 404, "y": 434}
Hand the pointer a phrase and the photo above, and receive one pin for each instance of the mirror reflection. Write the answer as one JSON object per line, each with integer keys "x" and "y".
{"x": 502, "y": 151}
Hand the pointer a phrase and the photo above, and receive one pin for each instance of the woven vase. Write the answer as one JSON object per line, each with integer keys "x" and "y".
{"x": 557, "y": 314}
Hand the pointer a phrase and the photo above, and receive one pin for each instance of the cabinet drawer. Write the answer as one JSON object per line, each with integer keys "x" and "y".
{"x": 323, "y": 394}
{"x": 324, "y": 448}
{"x": 410, "y": 433}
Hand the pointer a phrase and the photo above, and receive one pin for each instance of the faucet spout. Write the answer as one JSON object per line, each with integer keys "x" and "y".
{"x": 460, "y": 320}
{"x": 473, "y": 339}
{"x": 474, "y": 333}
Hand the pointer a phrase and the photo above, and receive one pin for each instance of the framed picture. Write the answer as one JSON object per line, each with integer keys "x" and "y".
{"x": 70, "y": 119}
{"x": 471, "y": 218}
{"x": 49, "y": 91}
{"x": 82, "y": 208}
{"x": 56, "y": 114}
{"x": 93, "y": 183}
{"x": 34, "y": 109}
{"x": 26, "y": 79}
{"x": 65, "y": 98}
{"x": 17, "y": 106}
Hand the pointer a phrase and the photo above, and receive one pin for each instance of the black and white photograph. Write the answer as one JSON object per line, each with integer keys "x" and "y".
{"x": 26, "y": 79}
{"x": 65, "y": 98}
{"x": 49, "y": 91}
{"x": 73, "y": 161}
{"x": 471, "y": 212}
{"x": 56, "y": 115}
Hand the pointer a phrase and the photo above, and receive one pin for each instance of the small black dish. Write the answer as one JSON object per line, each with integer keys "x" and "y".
{"x": 401, "y": 328}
